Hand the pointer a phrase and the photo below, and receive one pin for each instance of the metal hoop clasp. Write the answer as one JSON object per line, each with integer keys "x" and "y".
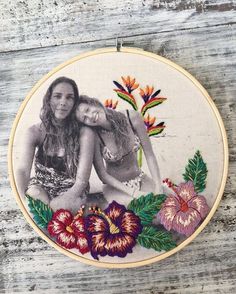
{"x": 119, "y": 43}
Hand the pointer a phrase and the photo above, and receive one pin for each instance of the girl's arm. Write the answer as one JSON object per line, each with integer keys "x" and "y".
{"x": 86, "y": 154}
{"x": 104, "y": 176}
{"x": 29, "y": 143}
{"x": 141, "y": 131}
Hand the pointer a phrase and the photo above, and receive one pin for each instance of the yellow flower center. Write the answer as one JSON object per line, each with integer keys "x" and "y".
{"x": 113, "y": 228}
{"x": 69, "y": 229}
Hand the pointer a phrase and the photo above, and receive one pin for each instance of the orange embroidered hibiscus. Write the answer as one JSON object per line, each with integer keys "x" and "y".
{"x": 184, "y": 210}
{"x": 68, "y": 230}
{"x": 113, "y": 231}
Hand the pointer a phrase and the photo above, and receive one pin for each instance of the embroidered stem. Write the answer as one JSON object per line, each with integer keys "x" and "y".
{"x": 140, "y": 157}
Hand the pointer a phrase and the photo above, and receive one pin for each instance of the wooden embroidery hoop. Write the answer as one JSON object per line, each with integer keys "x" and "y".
{"x": 120, "y": 48}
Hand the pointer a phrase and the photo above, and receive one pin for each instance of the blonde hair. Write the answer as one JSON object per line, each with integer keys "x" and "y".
{"x": 118, "y": 121}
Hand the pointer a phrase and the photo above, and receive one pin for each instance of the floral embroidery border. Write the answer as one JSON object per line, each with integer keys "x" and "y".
{"x": 116, "y": 230}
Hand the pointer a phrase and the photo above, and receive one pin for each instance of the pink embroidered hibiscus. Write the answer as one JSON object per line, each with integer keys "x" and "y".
{"x": 113, "y": 231}
{"x": 183, "y": 211}
{"x": 68, "y": 230}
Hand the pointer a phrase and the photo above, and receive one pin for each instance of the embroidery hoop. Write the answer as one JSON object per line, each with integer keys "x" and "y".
{"x": 119, "y": 48}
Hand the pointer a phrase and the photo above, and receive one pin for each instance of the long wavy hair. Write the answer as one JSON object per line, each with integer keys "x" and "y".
{"x": 64, "y": 135}
{"x": 118, "y": 121}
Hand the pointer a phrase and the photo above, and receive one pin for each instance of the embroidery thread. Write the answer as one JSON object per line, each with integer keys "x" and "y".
{"x": 116, "y": 230}
{"x": 113, "y": 231}
{"x": 146, "y": 207}
{"x": 184, "y": 209}
{"x": 150, "y": 99}
{"x": 69, "y": 230}
{"x": 41, "y": 212}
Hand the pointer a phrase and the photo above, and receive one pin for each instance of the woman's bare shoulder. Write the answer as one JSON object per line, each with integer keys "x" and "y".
{"x": 133, "y": 114}
{"x": 36, "y": 133}
{"x": 86, "y": 131}
{"x": 135, "y": 117}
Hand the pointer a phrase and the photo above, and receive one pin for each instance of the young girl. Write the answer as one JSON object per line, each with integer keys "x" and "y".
{"x": 119, "y": 136}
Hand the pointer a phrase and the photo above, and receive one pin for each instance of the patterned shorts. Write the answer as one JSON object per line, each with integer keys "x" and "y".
{"x": 51, "y": 181}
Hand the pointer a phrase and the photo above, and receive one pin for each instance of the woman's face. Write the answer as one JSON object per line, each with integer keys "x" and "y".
{"x": 91, "y": 115}
{"x": 62, "y": 100}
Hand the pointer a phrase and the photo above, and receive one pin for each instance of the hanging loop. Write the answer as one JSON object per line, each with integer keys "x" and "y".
{"x": 119, "y": 43}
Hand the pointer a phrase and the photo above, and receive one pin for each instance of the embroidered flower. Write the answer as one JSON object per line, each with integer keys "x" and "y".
{"x": 150, "y": 99}
{"x": 146, "y": 93}
{"x": 149, "y": 121}
{"x": 130, "y": 83}
{"x": 183, "y": 211}
{"x": 68, "y": 230}
{"x": 113, "y": 231}
{"x": 110, "y": 104}
{"x": 124, "y": 92}
{"x": 151, "y": 129}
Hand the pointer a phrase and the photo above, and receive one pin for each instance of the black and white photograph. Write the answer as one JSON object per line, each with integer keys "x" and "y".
{"x": 77, "y": 132}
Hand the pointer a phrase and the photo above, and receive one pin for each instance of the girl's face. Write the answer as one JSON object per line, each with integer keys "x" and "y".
{"x": 91, "y": 115}
{"x": 62, "y": 100}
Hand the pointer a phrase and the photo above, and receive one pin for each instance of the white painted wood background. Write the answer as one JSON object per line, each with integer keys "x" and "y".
{"x": 37, "y": 35}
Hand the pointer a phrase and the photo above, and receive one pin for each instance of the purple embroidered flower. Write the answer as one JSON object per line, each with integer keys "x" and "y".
{"x": 183, "y": 211}
{"x": 113, "y": 231}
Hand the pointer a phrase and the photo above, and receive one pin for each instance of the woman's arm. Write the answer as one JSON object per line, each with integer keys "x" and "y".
{"x": 29, "y": 143}
{"x": 141, "y": 131}
{"x": 104, "y": 176}
{"x": 86, "y": 155}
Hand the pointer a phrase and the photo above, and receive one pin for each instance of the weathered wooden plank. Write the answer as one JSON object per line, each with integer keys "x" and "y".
{"x": 41, "y": 23}
{"x": 168, "y": 276}
{"x": 199, "y": 6}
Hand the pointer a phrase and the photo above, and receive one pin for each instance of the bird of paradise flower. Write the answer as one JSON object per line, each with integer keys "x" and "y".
{"x": 109, "y": 103}
{"x": 150, "y": 99}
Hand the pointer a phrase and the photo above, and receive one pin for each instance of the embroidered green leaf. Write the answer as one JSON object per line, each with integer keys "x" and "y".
{"x": 42, "y": 213}
{"x": 153, "y": 238}
{"x": 196, "y": 171}
{"x": 145, "y": 207}
{"x": 151, "y": 103}
{"x": 127, "y": 97}
{"x": 140, "y": 157}
{"x": 155, "y": 130}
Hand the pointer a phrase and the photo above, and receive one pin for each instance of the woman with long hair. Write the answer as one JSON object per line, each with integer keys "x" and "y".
{"x": 62, "y": 151}
{"x": 119, "y": 136}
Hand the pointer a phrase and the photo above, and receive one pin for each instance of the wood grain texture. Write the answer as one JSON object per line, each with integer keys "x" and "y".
{"x": 41, "y": 23}
{"x": 37, "y": 35}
